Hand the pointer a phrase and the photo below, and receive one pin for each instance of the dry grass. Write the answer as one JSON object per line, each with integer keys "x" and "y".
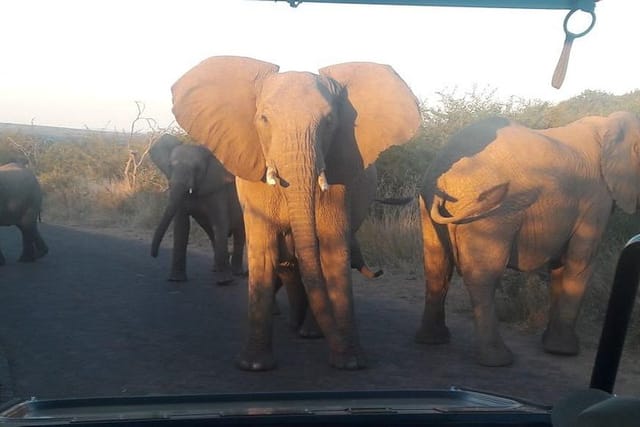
{"x": 107, "y": 205}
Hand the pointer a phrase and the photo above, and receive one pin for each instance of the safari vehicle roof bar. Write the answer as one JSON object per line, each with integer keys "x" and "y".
{"x": 586, "y": 5}
{"x": 560, "y": 71}
{"x": 614, "y": 330}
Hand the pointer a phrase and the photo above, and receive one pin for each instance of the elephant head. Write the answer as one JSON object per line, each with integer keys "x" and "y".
{"x": 191, "y": 171}
{"x": 620, "y": 159}
{"x": 298, "y": 131}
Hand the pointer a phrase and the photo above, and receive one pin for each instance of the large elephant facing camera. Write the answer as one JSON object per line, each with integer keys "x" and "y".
{"x": 20, "y": 205}
{"x": 199, "y": 187}
{"x": 501, "y": 195}
{"x": 297, "y": 141}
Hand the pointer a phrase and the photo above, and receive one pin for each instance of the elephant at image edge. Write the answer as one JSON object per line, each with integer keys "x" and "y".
{"x": 199, "y": 187}
{"x": 20, "y": 205}
{"x": 296, "y": 141}
{"x": 500, "y": 195}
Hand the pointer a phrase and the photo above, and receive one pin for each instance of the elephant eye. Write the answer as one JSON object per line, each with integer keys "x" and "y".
{"x": 264, "y": 119}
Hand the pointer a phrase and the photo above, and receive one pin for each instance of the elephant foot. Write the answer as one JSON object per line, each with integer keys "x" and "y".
{"x": 237, "y": 268}
{"x": 563, "y": 341}
{"x": 178, "y": 276}
{"x": 433, "y": 335}
{"x": 494, "y": 354}
{"x": 310, "y": 328}
{"x": 350, "y": 360}
{"x": 41, "y": 252}
{"x": 256, "y": 361}
{"x": 225, "y": 278}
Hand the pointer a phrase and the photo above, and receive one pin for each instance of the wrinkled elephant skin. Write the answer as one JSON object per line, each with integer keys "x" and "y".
{"x": 297, "y": 141}
{"x": 501, "y": 195}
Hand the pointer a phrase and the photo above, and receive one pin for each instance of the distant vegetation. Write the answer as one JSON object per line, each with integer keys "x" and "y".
{"x": 105, "y": 179}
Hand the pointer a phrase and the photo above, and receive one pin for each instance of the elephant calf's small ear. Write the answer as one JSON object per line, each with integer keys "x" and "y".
{"x": 386, "y": 110}
{"x": 160, "y": 152}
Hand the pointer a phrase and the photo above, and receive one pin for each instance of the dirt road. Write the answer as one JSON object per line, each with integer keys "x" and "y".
{"x": 97, "y": 317}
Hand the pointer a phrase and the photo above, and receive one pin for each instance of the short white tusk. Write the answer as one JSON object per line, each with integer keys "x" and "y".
{"x": 190, "y": 190}
{"x": 272, "y": 176}
{"x": 322, "y": 181}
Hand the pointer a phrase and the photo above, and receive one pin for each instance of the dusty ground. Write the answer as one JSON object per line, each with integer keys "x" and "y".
{"x": 97, "y": 317}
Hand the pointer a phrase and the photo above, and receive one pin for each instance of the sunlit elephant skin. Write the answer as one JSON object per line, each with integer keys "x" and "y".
{"x": 362, "y": 194}
{"x": 199, "y": 187}
{"x": 500, "y": 195}
{"x": 20, "y": 205}
{"x": 296, "y": 141}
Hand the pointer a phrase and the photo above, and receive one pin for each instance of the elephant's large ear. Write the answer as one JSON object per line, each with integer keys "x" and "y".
{"x": 380, "y": 109}
{"x": 160, "y": 152}
{"x": 620, "y": 161}
{"x": 215, "y": 103}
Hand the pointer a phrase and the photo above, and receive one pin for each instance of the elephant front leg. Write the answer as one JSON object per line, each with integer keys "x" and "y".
{"x": 567, "y": 289}
{"x": 569, "y": 282}
{"x": 181, "y": 228}
{"x": 239, "y": 238}
{"x": 334, "y": 237}
{"x": 221, "y": 227}
{"x": 257, "y": 354}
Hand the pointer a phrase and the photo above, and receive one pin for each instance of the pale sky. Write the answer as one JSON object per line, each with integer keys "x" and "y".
{"x": 80, "y": 63}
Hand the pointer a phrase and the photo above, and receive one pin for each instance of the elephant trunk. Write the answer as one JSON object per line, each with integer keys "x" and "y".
{"x": 302, "y": 176}
{"x": 177, "y": 193}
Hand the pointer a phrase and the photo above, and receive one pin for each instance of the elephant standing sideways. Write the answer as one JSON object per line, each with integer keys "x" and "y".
{"x": 199, "y": 187}
{"x": 20, "y": 205}
{"x": 501, "y": 195}
{"x": 296, "y": 141}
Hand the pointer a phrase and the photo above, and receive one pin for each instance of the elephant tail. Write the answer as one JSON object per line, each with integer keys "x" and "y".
{"x": 448, "y": 210}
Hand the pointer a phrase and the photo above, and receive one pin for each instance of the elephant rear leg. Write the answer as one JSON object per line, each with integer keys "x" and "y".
{"x": 205, "y": 224}
{"x": 438, "y": 269}
{"x": 482, "y": 262}
{"x": 29, "y": 233}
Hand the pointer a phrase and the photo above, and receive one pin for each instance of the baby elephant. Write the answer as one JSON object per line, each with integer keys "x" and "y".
{"x": 20, "y": 205}
{"x": 201, "y": 188}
